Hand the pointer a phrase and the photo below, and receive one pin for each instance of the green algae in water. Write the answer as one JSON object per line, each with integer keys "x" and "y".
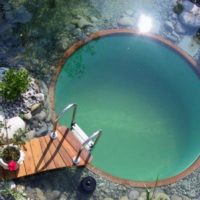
{"x": 145, "y": 98}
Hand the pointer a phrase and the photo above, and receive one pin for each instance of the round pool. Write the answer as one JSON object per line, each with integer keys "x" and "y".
{"x": 143, "y": 94}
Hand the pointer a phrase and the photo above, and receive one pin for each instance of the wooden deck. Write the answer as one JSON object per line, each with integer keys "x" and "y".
{"x": 43, "y": 154}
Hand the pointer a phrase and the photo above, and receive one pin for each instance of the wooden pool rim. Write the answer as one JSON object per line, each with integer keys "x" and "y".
{"x": 158, "y": 38}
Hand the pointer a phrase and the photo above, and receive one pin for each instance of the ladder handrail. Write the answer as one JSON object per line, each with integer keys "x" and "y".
{"x": 74, "y": 106}
{"x": 96, "y": 135}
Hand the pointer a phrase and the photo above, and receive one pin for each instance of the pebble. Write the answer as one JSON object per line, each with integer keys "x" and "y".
{"x": 133, "y": 195}
{"x": 27, "y": 116}
{"x": 126, "y": 21}
{"x": 40, "y": 194}
{"x": 35, "y": 106}
{"x": 124, "y": 198}
{"x": 175, "y": 197}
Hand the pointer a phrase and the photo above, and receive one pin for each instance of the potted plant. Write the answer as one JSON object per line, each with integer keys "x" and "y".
{"x": 11, "y": 155}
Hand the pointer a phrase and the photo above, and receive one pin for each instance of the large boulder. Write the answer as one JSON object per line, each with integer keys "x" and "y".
{"x": 13, "y": 124}
{"x": 190, "y": 19}
{"x": 126, "y": 21}
{"x": 191, "y": 15}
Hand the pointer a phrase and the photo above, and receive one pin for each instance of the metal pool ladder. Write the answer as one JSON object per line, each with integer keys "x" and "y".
{"x": 87, "y": 142}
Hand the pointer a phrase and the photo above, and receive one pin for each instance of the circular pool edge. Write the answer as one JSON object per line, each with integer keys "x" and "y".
{"x": 77, "y": 45}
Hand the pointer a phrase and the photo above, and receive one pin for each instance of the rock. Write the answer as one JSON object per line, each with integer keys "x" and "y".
{"x": 35, "y": 106}
{"x": 189, "y": 19}
{"x": 82, "y": 22}
{"x": 175, "y": 197}
{"x": 11, "y": 184}
{"x": 2, "y": 117}
{"x": 42, "y": 131}
{"x": 13, "y": 124}
{"x": 133, "y": 195}
{"x": 2, "y": 72}
{"x": 129, "y": 12}
{"x": 124, "y": 198}
{"x": 169, "y": 26}
{"x": 93, "y": 19}
{"x": 27, "y": 116}
{"x": 142, "y": 198}
{"x": 107, "y": 198}
{"x": 44, "y": 88}
{"x": 179, "y": 28}
{"x": 40, "y": 97}
{"x": 161, "y": 196}
{"x": 34, "y": 124}
{"x": 64, "y": 43}
{"x": 22, "y": 15}
{"x": 70, "y": 27}
{"x": 185, "y": 198}
{"x": 126, "y": 21}
{"x": 40, "y": 194}
{"x": 188, "y": 6}
{"x": 41, "y": 116}
{"x": 31, "y": 134}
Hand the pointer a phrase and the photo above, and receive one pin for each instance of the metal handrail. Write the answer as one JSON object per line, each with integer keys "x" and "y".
{"x": 96, "y": 135}
{"x": 74, "y": 106}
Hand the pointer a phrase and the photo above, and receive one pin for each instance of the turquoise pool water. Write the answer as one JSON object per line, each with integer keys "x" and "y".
{"x": 146, "y": 99}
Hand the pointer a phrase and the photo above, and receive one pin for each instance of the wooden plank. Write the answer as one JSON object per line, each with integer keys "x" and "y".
{"x": 28, "y": 161}
{"x": 38, "y": 156}
{"x": 54, "y": 153}
{"x": 47, "y": 155}
{"x": 59, "y": 146}
{"x": 71, "y": 138}
{"x": 21, "y": 171}
{"x": 67, "y": 146}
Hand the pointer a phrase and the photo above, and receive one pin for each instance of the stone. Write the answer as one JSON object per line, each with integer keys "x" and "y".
{"x": 82, "y": 23}
{"x": 11, "y": 185}
{"x": 31, "y": 134}
{"x": 22, "y": 15}
{"x": 126, "y": 21}
{"x": 129, "y": 12}
{"x": 35, "y": 106}
{"x": 124, "y": 198}
{"x": 185, "y": 198}
{"x": 40, "y": 97}
{"x": 142, "y": 198}
{"x": 107, "y": 198}
{"x": 161, "y": 196}
{"x": 190, "y": 19}
{"x": 179, "y": 28}
{"x": 70, "y": 27}
{"x": 41, "y": 115}
{"x": 169, "y": 26}
{"x": 42, "y": 131}
{"x": 175, "y": 197}
{"x": 2, "y": 72}
{"x": 133, "y": 195}
{"x": 93, "y": 19}
{"x": 14, "y": 124}
{"x": 27, "y": 116}
{"x": 188, "y": 6}
{"x": 40, "y": 194}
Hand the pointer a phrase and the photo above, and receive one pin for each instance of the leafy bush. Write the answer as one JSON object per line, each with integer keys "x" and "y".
{"x": 14, "y": 83}
{"x": 178, "y": 8}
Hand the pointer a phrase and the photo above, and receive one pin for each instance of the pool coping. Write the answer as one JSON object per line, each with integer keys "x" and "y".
{"x": 77, "y": 45}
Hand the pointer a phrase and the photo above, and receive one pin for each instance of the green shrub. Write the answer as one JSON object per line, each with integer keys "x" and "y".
{"x": 178, "y": 8}
{"x": 14, "y": 83}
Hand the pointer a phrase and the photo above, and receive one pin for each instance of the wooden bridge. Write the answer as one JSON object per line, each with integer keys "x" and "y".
{"x": 43, "y": 154}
